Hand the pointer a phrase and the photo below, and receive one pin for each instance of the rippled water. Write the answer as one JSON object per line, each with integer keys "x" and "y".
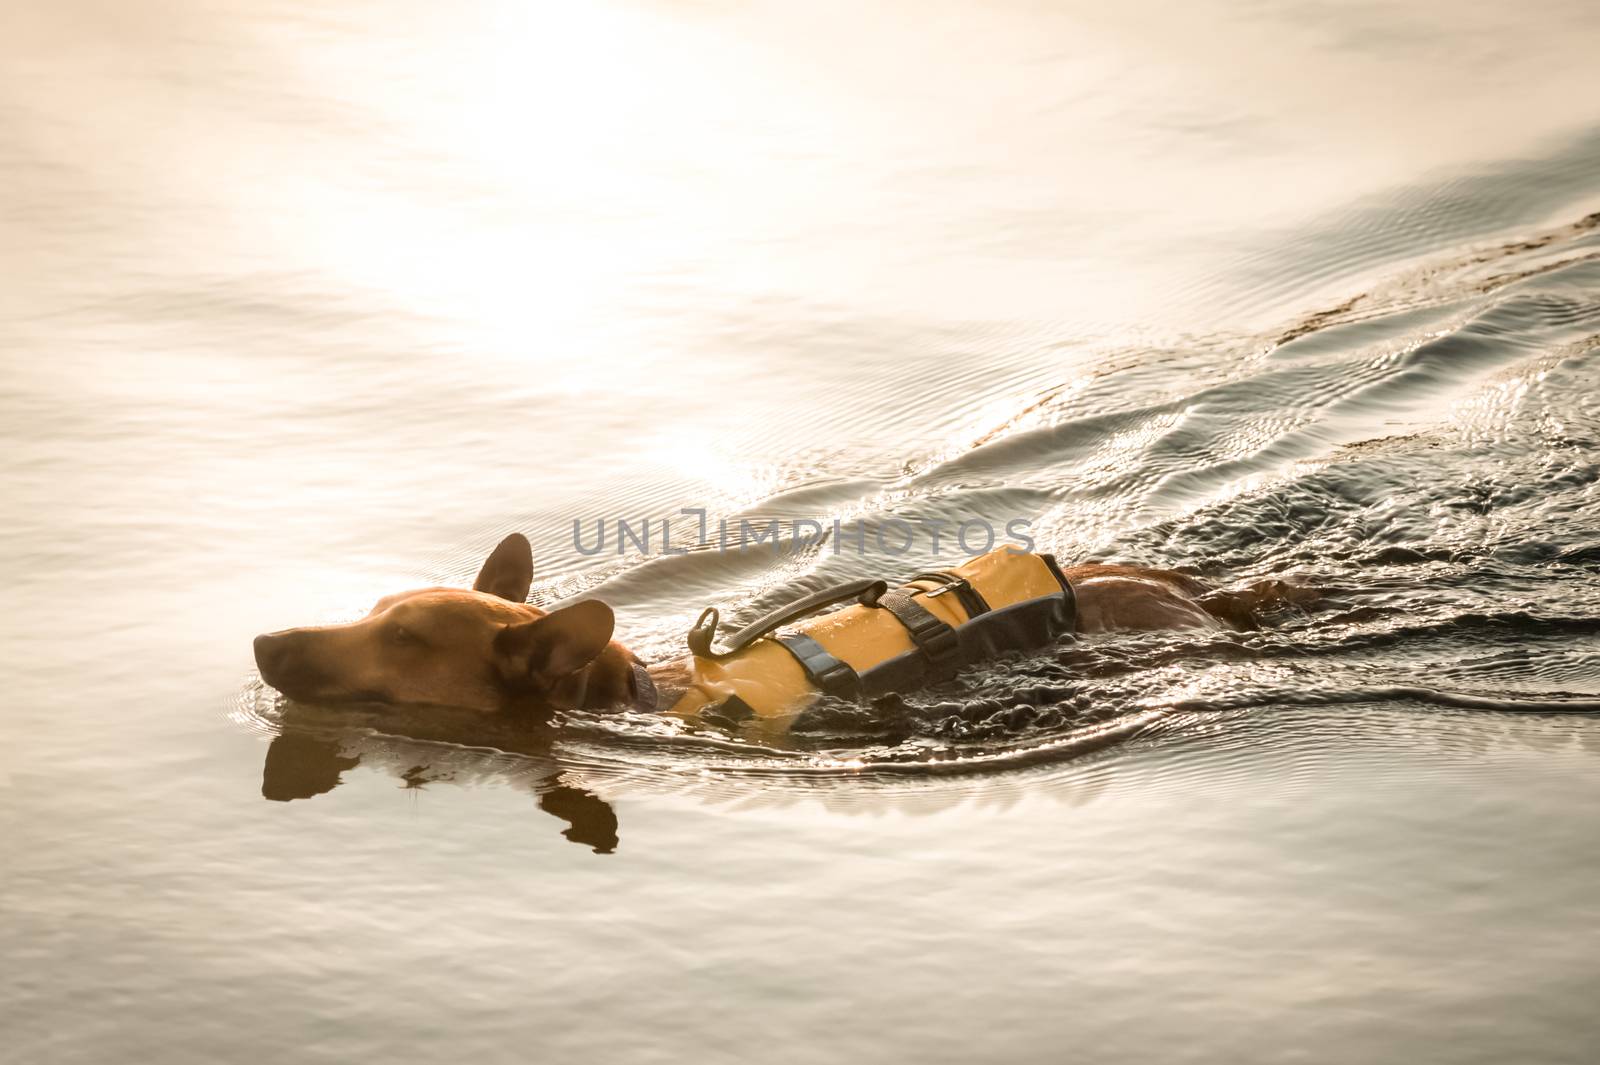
{"x": 304, "y": 305}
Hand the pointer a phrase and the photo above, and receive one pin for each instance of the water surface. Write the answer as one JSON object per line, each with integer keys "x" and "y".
{"x": 305, "y": 304}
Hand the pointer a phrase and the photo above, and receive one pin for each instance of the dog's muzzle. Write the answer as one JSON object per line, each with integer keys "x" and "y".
{"x": 283, "y": 660}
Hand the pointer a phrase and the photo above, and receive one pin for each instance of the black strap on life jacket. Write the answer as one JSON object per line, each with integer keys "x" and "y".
{"x": 970, "y": 598}
{"x": 935, "y": 638}
{"x": 645, "y": 697}
{"x": 1069, "y": 595}
{"x": 823, "y": 670}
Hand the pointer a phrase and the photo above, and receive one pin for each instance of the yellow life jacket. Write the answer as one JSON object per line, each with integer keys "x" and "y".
{"x": 889, "y": 640}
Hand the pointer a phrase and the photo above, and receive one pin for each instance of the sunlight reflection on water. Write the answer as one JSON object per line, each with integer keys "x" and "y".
{"x": 306, "y": 304}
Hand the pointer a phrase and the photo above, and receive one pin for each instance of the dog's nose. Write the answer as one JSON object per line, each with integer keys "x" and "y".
{"x": 269, "y": 648}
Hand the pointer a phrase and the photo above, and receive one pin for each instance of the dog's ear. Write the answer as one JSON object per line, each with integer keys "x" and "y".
{"x": 560, "y": 643}
{"x": 508, "y": 571}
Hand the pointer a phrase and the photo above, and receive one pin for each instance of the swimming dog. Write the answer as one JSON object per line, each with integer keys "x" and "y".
{"x": 486, "y": 649}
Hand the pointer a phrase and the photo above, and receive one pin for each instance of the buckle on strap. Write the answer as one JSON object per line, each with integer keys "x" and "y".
{"x": 971, "y": 599}
{"x": 949, "y": 585}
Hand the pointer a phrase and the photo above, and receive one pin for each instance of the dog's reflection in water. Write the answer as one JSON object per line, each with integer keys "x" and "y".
{"x": 301, "y": 765}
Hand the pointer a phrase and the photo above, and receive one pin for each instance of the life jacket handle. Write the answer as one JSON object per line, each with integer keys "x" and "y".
{"x": 866, "y": 591}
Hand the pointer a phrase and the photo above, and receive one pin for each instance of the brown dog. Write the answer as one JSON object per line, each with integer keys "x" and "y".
{"x": 486, "y": 649}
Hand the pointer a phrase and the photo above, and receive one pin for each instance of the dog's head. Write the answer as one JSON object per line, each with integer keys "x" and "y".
{"x": 482, "y": 649}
